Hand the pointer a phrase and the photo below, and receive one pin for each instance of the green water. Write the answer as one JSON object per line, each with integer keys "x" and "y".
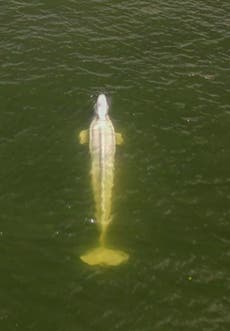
{"x": 165, "y": 66}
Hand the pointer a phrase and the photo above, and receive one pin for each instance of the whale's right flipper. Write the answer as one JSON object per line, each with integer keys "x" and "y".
{"x": 119, "y": 139}
{"x": 84, "y": 136}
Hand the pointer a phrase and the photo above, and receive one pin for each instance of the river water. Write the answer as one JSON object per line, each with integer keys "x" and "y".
{"x": 165, "y": 66}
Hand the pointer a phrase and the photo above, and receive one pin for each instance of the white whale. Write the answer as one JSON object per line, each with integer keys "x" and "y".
{"x": 102, "y": 141}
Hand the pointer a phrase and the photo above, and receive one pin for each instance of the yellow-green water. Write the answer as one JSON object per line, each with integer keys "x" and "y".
{"x": 165, "y": 66}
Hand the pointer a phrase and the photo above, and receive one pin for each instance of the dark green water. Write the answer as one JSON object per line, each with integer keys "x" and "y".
{"x": 165, "y": 65}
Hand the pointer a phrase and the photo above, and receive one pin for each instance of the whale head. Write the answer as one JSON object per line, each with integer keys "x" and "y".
{"x": 101, "y": 107}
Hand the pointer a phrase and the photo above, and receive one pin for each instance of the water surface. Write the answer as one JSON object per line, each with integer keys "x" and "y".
{"x": 165, "y": 66}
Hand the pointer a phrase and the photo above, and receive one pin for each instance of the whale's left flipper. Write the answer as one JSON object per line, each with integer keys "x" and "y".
{"x": 119, "y": 139}
{"x": 84, "y": 136}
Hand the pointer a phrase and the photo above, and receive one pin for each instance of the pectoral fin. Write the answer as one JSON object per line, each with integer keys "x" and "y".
{"x": 84, "y": 136}
{"x": 119, "y": 139}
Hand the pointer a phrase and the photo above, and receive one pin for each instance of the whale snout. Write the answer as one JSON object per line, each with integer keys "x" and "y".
{"x": 102, "y": 106}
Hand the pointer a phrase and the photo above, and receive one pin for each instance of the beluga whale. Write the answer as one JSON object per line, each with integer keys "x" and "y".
{"x": 102, "y": 140}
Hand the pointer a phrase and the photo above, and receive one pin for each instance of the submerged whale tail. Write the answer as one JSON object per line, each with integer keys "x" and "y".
{"x": 105, "y": 256}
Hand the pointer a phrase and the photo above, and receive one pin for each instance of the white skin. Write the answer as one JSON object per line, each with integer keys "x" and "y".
{"x": 102, "y": 107}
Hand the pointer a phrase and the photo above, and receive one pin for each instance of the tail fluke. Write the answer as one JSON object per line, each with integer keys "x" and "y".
{"x": 105, "y": 256}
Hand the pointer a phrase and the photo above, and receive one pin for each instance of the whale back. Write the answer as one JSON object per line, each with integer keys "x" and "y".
{"x": 102, "y": 142}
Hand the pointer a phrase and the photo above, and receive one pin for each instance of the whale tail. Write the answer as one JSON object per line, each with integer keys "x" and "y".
{"x": 105, "y": 256}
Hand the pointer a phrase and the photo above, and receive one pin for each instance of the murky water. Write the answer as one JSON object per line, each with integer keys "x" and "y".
{"x": 165, "y": 66}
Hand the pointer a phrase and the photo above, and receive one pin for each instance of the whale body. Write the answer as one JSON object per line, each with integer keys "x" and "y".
{"x": 102, "y": 141}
